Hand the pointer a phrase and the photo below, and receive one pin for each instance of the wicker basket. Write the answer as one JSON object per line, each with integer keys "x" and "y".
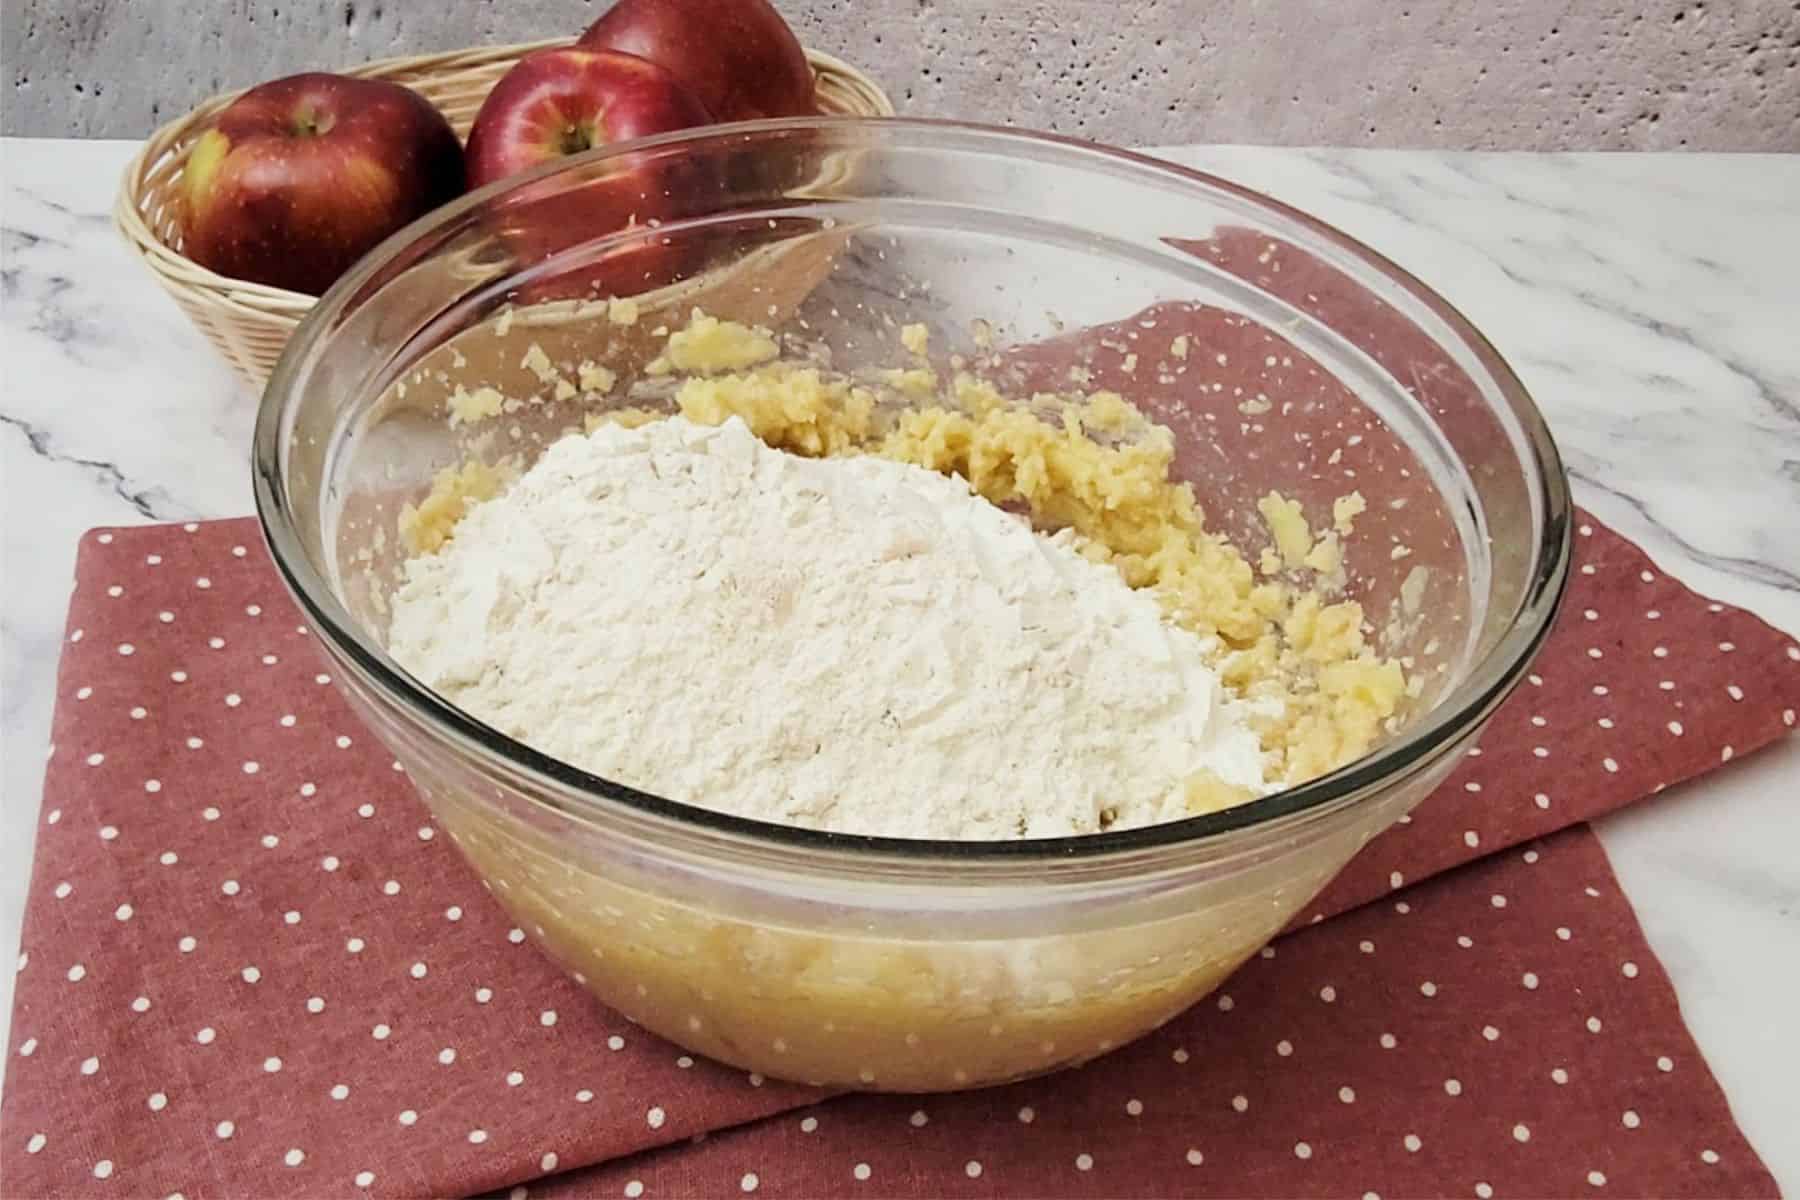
{"x": 249, "y": 323}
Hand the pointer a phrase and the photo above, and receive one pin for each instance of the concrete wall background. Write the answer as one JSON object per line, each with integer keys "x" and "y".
{"x": 1486, "y": 74}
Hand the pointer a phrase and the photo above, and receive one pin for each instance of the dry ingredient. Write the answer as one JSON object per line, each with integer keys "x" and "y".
{"x": 1292, "y": 654}
{"x": 852, "y": 643}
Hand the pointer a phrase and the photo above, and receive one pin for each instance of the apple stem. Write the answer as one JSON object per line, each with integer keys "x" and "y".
{"x": 309, "y": 122}
{"x": 576, "y": 138}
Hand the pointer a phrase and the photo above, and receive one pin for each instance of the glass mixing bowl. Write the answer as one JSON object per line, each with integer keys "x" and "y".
{"x": 1283, "y": 355}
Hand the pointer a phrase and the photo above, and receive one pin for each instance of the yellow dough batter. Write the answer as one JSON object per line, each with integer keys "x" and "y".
{"x": 915, "y": 1007}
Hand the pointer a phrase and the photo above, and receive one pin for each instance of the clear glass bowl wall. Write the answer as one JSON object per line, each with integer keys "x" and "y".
{"x": 912, "y": 965}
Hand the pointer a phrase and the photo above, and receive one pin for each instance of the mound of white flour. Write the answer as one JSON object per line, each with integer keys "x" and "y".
{"x": 850, "y": 644}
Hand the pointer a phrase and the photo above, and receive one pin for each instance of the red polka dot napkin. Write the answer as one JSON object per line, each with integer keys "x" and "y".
{"x": 250, "y": 968}
{"x": 1503, "y": 1031}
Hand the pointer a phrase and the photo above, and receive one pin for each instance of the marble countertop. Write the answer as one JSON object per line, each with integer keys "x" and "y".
{"x": 1648, "y": 301}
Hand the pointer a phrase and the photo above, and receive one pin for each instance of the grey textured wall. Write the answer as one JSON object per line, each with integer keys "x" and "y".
{"x": 1527, "y": 74}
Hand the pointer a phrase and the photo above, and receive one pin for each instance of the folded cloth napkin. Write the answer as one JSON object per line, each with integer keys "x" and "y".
{"x": 1502, "y": 1031}
{"x": 250, "y": 967}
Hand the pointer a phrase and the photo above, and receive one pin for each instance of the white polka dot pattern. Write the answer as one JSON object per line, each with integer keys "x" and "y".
{"x": 1237, "y": 1117}
{"x": 204, "y": 956}
{"x": 1611, "y": 729}
{"x": 251, "y": 974}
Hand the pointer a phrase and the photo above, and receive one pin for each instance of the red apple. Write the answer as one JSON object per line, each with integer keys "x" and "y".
{"x": 299, "y": 177}
{"x": 565, "y": 101}
{"x": 739, "y": 56}
{"x": 559, "y": 102}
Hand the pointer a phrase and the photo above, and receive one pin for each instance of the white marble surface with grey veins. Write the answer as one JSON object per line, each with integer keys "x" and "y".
{"x": 1650, "y": 303}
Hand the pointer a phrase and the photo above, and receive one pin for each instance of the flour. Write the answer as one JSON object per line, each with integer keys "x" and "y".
{"x": 849, "y": 643}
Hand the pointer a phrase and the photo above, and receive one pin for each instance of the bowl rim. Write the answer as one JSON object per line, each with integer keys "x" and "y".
{"x": 1488, "y": 681}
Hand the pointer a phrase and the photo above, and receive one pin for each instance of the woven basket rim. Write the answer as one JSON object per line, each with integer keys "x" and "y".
{"x": 263, "y": 302}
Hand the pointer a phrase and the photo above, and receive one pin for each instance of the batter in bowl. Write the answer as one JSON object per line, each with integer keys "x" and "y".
{"x": 992, "y": 516}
